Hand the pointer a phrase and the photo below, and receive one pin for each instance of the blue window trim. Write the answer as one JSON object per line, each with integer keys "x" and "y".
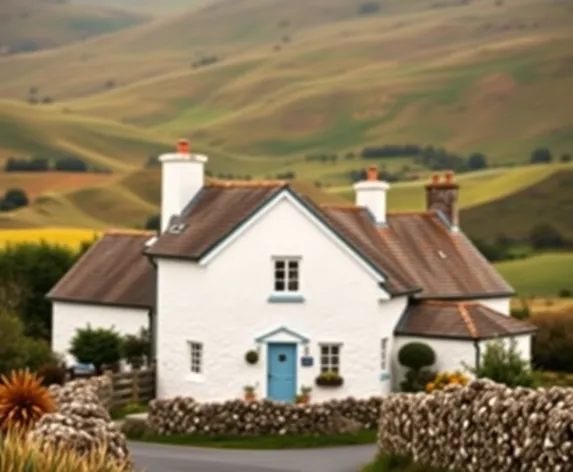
{"x": 285, "y": 298}
{"x": 280, "y": 330}
{"x": 384, "y": 375}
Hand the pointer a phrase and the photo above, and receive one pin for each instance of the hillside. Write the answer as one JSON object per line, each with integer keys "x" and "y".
{"x": 260, "y": 85}
{"x": 165, "y": 7}
{"x": 32, "y": 25}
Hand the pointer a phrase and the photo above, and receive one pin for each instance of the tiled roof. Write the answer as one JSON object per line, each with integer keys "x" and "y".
{"x": 114, "y": 271}
{"x": 459, "y": 320}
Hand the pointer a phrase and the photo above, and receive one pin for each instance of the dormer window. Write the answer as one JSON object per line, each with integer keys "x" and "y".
{"x": 287, "y": 275}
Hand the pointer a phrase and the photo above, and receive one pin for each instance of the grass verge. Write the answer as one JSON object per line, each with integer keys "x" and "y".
{"x": 398, "y": 463}
{"x": 260, "y": 442}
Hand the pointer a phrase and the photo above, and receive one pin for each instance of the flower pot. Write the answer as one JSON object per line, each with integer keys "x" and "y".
{"x": 250, "y": 396}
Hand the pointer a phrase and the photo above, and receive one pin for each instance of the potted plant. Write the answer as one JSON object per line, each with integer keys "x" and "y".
{"x": 329, "y": 379}
{"x": 252, "y": 357}
{"x": 304, "y": 397}
{"x": 250, "y": 395}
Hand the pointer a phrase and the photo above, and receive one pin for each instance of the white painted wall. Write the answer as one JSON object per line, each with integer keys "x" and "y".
{"x": 501, "y": 305}
{"x": 225, "y": 306}
{"x": 450, "y": 354}
{"x": 67, "y": 318}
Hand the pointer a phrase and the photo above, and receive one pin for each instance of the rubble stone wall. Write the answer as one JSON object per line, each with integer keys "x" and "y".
{"x": 82, "y": 421}
{"x": 483, "y": 427}
{"x": 185, "y": 416}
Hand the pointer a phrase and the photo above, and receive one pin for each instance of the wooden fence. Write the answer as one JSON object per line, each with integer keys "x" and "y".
{"x": 137, "y": 386}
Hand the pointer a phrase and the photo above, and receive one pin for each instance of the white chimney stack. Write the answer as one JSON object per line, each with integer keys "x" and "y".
{"x": 182, "y": 177}
{"x": 372, "y": 195}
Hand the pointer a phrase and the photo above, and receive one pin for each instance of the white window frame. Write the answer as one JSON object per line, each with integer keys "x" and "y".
{"x": 195, "y": 357}
{"x": 330, "y": 361}
{"x": 286, "y": 260}
{"x": 384, "y": 354}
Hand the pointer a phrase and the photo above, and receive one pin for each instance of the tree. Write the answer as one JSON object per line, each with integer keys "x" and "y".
{"x": 14, "y": 198}
{"x": 546, "y": 236}
{"x": 18, "y": 351}
{"x": 477, "y": 161}
{"x": 541, "y": 155}
{"x": 565, "y": 157}
{"x": 136, "y": 350}
{"x": 504, "y": 364}
{"x": 70, "y": 164}
{"x": 27, "y": 273}
{"x": 96, "y": 346}
{"x": 153, "y": 223}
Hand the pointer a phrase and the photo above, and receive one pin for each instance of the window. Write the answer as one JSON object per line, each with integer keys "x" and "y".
{"x": 330, "y": 358}
{"x": 196, "y": 357}
{"x": 384, "y": 354}
{"x": 287, "y": 275}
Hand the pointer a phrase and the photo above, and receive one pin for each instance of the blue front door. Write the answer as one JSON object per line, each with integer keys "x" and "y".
{"x": 281, "y": 367}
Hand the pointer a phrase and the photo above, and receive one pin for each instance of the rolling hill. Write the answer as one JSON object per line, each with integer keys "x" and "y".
{"x": 32, "y": 25}
{"x": 165, "y": 7}
{"x": 258, "y": 85}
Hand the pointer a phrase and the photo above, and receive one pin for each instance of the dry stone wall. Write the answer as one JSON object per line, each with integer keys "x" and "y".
{"x": 484, "y": 427}
{"x": 82, "y": 421}
{"x": 185, "y": 416}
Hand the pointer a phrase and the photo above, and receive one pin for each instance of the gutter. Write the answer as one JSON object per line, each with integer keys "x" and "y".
{"x": 478, "y": 353}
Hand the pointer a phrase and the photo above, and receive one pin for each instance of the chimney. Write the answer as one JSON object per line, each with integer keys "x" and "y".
{"x": 371, "y": 194}
{"x": 442, "y": 196}
{"x": 182, "y": 177}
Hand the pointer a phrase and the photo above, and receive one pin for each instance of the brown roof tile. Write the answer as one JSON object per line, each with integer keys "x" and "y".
{"x": 444, "y": 263}
{"x": 113, "y": 271}
{"x": 218, "y": 209}
{"x": 459, "y": 320}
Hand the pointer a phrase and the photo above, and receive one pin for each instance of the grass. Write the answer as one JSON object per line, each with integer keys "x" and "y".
{"x": 539, "y": 275}
{"x": 397, "y": 463}
{"x": 262, "y": 442}
{"x": 70, "y": 237}
{"x": 37, "y": 24}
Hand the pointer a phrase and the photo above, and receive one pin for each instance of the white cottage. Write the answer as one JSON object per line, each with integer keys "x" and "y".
{"x": 258, "y": 265}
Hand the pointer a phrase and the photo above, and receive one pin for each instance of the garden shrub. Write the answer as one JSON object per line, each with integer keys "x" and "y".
{"x": 504, "y": 364}
{"x": 552, "y": 347}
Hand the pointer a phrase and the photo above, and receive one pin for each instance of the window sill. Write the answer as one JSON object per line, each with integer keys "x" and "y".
{"x": 196, "y": 378}
{"x": 285, "y": 298}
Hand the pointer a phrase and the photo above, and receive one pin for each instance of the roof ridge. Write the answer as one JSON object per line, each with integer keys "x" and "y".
{"x": 128, "y": 232}
{"x": 341, "y": 206}
{"x": 410, "y": 213}
{"x": 464, "y": 313}
{"x": 246, "y": 183}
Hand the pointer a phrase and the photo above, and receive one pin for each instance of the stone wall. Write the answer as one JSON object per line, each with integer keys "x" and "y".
{"x": 483, "y": 427}
{"x": 185, "y": 416}
{"x": 82, "y": 421}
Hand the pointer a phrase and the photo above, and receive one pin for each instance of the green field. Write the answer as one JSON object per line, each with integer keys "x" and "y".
{"x": 288, "y": 81}
{"x": 540, "y": 275}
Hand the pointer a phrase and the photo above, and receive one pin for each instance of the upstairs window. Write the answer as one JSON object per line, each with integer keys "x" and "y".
{"x": 287, "y": 275}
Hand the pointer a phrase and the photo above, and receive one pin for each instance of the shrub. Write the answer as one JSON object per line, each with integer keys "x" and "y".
{"x": 552, "y": 347}
{"x": 96, "y": 346}
{"x": 23, "y": 400}
{"x": 416, "y": 356}
{"x": 442, "y": 379}
{"x": 24, "y": 454}
{"x": 136, "y": 349}
{"x": 52, "y": 374}
{"x": 14, "y": 198}
{"x": 504, "y": 364}
{"x": 417, "y": 380}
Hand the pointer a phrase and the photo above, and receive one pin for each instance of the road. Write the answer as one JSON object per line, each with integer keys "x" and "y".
{"x": 164, "y": 458}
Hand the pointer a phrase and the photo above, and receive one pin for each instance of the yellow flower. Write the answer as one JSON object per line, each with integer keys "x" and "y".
{"x": 430, "y": 387}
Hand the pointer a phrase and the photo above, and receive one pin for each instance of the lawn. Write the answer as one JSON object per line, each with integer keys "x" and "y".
{"x": 539, "y": 275}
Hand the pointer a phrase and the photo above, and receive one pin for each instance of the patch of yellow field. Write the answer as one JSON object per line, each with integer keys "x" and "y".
{"x": 70, "y": 237}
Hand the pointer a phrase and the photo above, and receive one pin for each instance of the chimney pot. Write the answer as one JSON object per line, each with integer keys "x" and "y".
{"x": 183, "y": 146}
{"x": 372, "y": 173}
{"x": 435, "y": 179}
{"x": 449, "y": 176}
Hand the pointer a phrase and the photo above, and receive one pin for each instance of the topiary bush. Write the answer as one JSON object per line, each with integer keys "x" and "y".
{"x": 416, "y": 356}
